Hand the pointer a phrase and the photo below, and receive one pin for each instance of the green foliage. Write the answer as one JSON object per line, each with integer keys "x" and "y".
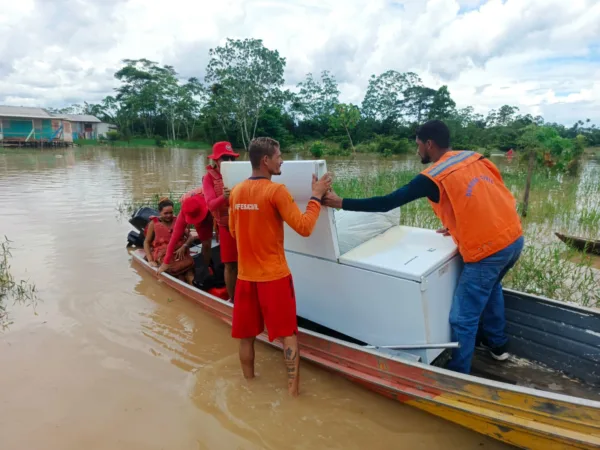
{"x": 246, "y": 78}
{"x": 112, "y": 136}
{"x": 317, "y": 149}
{"x": 345, "y": 117}
{"x": 243, "y": 96}
{"x": 316, "y": 100}
{"x": 392, "y": 145}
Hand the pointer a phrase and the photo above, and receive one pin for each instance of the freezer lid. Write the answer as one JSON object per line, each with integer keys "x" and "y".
{"x": 403, "y": 252}
{"x": 297, "y": 176}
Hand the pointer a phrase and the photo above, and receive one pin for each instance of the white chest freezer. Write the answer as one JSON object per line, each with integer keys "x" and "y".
{"x": 395, "y": 288}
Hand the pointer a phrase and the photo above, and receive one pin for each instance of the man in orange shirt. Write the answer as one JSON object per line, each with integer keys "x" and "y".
{"x": 264, "y": 293}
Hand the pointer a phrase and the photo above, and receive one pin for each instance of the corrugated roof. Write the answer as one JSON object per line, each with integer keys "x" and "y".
{"x": 25, "y": 112}
{"x": 80, "y": 118}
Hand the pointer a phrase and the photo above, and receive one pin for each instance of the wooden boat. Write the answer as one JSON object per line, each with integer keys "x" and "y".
{"x": 584, "y": 245}
{"x": 373, "y": 306}
{"x": 552, "y": 403}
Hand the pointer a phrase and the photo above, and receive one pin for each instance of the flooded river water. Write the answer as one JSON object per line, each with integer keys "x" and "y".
{"x": 111, "y": 359}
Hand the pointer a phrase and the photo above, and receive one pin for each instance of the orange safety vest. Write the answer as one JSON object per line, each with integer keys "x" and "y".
{"x": 221, "y": 215}
{"x": 475, "y": 206}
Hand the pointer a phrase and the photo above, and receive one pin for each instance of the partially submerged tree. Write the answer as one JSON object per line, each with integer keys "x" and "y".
{"x": 345, "y": 117}
{"x": 545, "y": 147}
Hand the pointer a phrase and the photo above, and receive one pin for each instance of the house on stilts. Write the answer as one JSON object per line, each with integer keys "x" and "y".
{"x": 37, "y": 127}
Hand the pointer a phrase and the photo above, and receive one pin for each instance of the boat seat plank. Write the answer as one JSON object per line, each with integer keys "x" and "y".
{"x": 559, "y": 336}
{"x": 549, "y": 326}
{"x": 562, "y": 314}
{"x": 557, "y": 359}
{"x": 523, "y": 372}
{"x": 578, "y": 350}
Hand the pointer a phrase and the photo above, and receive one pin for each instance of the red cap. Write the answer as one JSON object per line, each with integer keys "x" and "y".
{"x": 194, "y": 209}
{"x": 222, "y": 148}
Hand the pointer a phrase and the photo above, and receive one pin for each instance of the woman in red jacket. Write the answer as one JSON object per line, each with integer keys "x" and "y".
{"x": 217, "y": 199}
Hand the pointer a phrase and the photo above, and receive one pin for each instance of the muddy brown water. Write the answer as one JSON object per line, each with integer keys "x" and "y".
{"x": 112, "y": 359}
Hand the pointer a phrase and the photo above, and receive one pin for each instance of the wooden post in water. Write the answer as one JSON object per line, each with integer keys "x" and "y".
{"x": 528, "y": 182}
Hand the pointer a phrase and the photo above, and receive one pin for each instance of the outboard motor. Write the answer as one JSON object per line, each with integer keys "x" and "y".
{"x": 140, "y": 220}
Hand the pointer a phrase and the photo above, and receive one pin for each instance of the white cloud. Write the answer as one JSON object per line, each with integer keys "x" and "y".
{"x": 540, "y": 55}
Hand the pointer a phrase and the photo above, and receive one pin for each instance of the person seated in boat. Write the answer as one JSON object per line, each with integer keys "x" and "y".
{"x": 193, "y": 212}
{"x": 264, "y": 293}
{"x": 468, "y": 195}
{"x": 217, "y": 199}
{"x": 158, "y": 235}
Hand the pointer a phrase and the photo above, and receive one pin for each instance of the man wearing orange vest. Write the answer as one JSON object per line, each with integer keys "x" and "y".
{"x": 217, "y": 199}
{"x": 193, "y": 212}
{"x": 468, "y": 195}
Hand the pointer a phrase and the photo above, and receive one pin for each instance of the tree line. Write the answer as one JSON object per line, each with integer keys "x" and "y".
{"x": 243, "y": 96}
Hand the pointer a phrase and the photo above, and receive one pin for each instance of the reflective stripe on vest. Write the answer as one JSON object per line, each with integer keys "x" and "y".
{"x": 475, "y": 205}
{"x": 453, "y": 160}
{"x": 221, "y": 215}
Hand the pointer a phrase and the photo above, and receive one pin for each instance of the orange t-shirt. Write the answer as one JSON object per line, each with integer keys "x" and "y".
{"x": 257, "y": 209}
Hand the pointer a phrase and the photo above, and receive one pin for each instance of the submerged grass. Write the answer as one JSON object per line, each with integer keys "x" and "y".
{"x": 558, "y": 203}
{"x": 144, "y": 142}
{"x": 18, "y": 291}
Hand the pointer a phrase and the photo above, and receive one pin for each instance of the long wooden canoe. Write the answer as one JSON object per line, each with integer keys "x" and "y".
{"x": 581, "y": 244}
{"x": 532, "y": 405}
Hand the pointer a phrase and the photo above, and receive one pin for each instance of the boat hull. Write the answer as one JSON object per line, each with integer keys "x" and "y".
{"x": 584, "y": 245}
{"x": 523, "y": 417}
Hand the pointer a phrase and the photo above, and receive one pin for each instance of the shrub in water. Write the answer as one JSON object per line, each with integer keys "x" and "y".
{"x": 317, "y": 149}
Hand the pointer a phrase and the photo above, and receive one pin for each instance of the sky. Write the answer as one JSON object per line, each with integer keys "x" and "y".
{"x": 540, "y": 55}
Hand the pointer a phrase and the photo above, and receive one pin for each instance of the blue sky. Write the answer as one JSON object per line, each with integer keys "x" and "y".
{"x": 540, "y": 55}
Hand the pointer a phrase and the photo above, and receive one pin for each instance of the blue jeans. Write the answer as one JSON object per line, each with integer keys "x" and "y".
{"x": 479, "y": 296}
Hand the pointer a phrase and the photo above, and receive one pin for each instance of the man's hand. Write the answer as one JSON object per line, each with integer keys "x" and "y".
{"x": 163, "y": 268}
{"x": 320, "y": 187}
{"x": 180, "y": 252}
{"x": 444, "y": 231}
{"x": 226, "y": 192}
{"x": 332, "y": 200}
{"x": 153, "y": 264}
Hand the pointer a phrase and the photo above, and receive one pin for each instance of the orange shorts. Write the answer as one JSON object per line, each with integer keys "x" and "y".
{"x": 264, "y": 303}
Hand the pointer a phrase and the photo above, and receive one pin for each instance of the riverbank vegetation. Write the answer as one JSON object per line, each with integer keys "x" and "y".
{"x": 10, "y": 289}
{"x": 244, "y": 94}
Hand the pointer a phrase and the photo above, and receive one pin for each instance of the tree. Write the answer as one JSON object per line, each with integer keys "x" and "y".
{"x": 249, "y": 78}
{"x": 418, "y": 101}
{"x": 546, "y": 147}
{"x": 442, "y": 106}
{"x": 317, "y": 99}
{"x": 345, "y": 117}
{"x": 385, "y": 96}
{"x": 140, "y": 92}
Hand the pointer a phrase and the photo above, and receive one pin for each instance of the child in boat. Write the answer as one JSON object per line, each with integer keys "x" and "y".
{"x": 193, "y": 212}
{"x": 157, "y": 240}
{"x": 264, "y": 293}
{"x": 217, "y": 200}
